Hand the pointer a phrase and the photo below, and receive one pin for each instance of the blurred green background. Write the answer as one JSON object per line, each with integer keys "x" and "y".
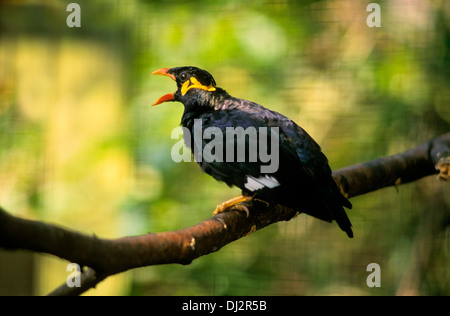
{"x": 81, "y": 146}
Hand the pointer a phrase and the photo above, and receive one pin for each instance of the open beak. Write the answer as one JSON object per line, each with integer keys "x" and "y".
{"x": 166, "y": 97}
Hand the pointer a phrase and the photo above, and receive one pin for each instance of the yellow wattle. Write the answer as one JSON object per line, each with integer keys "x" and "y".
{"x": 194, "y": 83}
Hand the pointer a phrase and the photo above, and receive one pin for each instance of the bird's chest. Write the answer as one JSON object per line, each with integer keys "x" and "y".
{"x": 206, "y": 138}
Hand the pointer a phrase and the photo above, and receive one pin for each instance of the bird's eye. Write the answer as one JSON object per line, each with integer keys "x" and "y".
{"x": 183, "y": 76}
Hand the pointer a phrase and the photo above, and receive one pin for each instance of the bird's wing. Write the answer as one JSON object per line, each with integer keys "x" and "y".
{"x": 230, "y": 132}
{"x": 298, "y": 155}
{"x": 303, "y": 177}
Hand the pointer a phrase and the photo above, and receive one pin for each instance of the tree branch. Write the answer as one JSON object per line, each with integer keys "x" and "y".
{"x": 106, "y": 257}
{"x": 428, "y": 158}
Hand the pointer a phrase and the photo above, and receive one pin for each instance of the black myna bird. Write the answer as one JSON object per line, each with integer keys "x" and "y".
{"x": 298, "y": 175}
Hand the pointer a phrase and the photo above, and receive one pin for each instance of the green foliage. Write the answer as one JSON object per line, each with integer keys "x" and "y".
{"x": 81, "y": 145}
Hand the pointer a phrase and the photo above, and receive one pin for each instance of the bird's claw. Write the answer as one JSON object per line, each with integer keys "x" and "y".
{"x": 224, "y": 208}
{"x": 242, "y": 208}
{"x": 220, "y": 209}
{"x": 233, "y": 204}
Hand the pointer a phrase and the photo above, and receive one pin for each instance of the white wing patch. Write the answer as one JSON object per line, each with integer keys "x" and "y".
{"x": 254, "y": 184}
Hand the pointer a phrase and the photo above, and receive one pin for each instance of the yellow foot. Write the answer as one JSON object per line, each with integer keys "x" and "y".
{"x": 222, "y": 207}
{"x": 444, "y": 168}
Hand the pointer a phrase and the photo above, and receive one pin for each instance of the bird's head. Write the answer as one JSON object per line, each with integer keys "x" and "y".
{"x": 192, "y": 83}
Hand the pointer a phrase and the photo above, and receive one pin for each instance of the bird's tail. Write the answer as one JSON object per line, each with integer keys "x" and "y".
{"x": 344, "y": 222}
{"x": 336, "y": 207}
{"x": 330, "y": 206}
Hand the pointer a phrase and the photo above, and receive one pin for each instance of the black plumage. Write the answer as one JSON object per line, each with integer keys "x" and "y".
{"x": 303, "y": 178}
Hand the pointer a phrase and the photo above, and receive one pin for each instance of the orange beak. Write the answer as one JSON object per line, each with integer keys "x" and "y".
{"x": 163, "y": 72}
{"x": 166, "y": 97}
